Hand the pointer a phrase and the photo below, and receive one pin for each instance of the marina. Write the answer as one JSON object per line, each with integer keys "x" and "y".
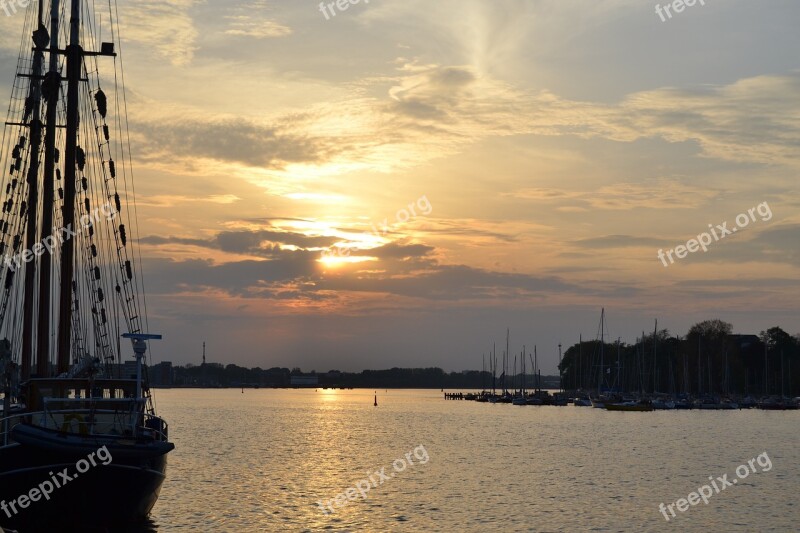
{"x": 639, "y": 378}
{"x": 620, "y": 403}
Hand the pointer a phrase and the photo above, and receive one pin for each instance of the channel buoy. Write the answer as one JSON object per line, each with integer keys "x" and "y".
{"x": 376, "y": 399}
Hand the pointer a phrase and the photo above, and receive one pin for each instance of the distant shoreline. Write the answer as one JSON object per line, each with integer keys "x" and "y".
{"x": 306, "y": 387}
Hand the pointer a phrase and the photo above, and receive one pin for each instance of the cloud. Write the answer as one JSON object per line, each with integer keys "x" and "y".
{"x": 660, "y": 193}
{"x": 619, "y": 241}
{"x": 299, "y": 270}
{"x": 164, "y": 26}
{"x": 401, "y": 268}
{"x": 433, "y": 94}
{"x": 250, "y": 20}
{"x": 166, "y": 200}
{"x": 475, "y": 229}
{"x": 746, "y": 121}
{"x": 262, "y": 243}
{"x": 396, "y": 250}
{"x": 193, "y": 141}
{"x": 431, "y": 111}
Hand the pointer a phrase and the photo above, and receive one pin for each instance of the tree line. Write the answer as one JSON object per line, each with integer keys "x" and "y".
{"x": 218, "y": 375}
{"x": 709, "y": 359}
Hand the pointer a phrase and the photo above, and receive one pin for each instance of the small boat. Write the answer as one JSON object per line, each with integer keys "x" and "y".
{"x": 597, "y": 403}
{"x": 630, "y": 405}
{"x": 728, "y": 404}
{"x": 747, "y": 403}
{"x": 774, "y": 404}
{"x": 520, "y": 400}
{"x": 683, "y": 404}
{"x": 601, "y": 401}
{"x": 662, "y": 405}
{"x": 505, "y": 398}
{"x": 582, "y": 402}
{"x": 559, "y": 401}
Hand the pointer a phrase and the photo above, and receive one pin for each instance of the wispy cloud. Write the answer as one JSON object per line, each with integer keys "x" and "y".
{"x": 176, "y": 200}
{"x": 251, "y": 20}
{"x": 649, "y": 194}
{"x": 164, "y": 26}
{"x": 434, "y": 111}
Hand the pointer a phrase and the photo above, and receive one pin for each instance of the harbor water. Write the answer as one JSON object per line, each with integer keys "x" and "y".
{"x": 276, "y": 460}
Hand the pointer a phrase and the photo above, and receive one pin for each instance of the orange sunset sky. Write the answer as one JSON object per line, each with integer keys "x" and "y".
{"x": 549, "y": 149}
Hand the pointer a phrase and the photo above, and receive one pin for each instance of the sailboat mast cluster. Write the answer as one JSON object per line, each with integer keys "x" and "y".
{"x": 654, "y": 372}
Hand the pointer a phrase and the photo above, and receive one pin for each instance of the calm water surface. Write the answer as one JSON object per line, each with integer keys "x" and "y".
{"x": 260, "y": 461}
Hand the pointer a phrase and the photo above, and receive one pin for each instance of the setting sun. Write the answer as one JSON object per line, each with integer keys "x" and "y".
{"x": 337, "y": 260}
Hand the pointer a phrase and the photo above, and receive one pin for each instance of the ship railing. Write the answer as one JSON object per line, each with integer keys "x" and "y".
{"x": 156, "y": 427}
{"x": 6, "y": 424}
{"x": 126, "y": 419}
{"x": 95, "y": 422}
{"x": 92, "y": 416}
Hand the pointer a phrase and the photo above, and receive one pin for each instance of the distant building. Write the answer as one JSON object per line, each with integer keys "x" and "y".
{"x": 749, "y": 347}
{"x": 161, "y": 375}
{"x": 304, "y": 381}
{"x": 745, "y": 342}
{"x": 128, "y": 370}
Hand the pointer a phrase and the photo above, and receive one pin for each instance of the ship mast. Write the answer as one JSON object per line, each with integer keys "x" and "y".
{"x": 51, "y": 89}
{"x": 33, "y": 105}
{"x": 602, "y": 346}
{"x": 74, "y": 61}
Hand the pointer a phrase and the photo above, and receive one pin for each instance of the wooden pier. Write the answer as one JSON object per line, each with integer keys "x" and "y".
{"x": 458, "y": 396}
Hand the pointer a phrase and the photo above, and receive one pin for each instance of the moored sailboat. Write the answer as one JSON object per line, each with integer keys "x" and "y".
{"x": 72, "y": 427}
{"x": 629, "y": 405}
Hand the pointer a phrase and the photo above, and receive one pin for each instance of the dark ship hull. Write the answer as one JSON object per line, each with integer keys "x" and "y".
{"x": 104, "y": 497}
